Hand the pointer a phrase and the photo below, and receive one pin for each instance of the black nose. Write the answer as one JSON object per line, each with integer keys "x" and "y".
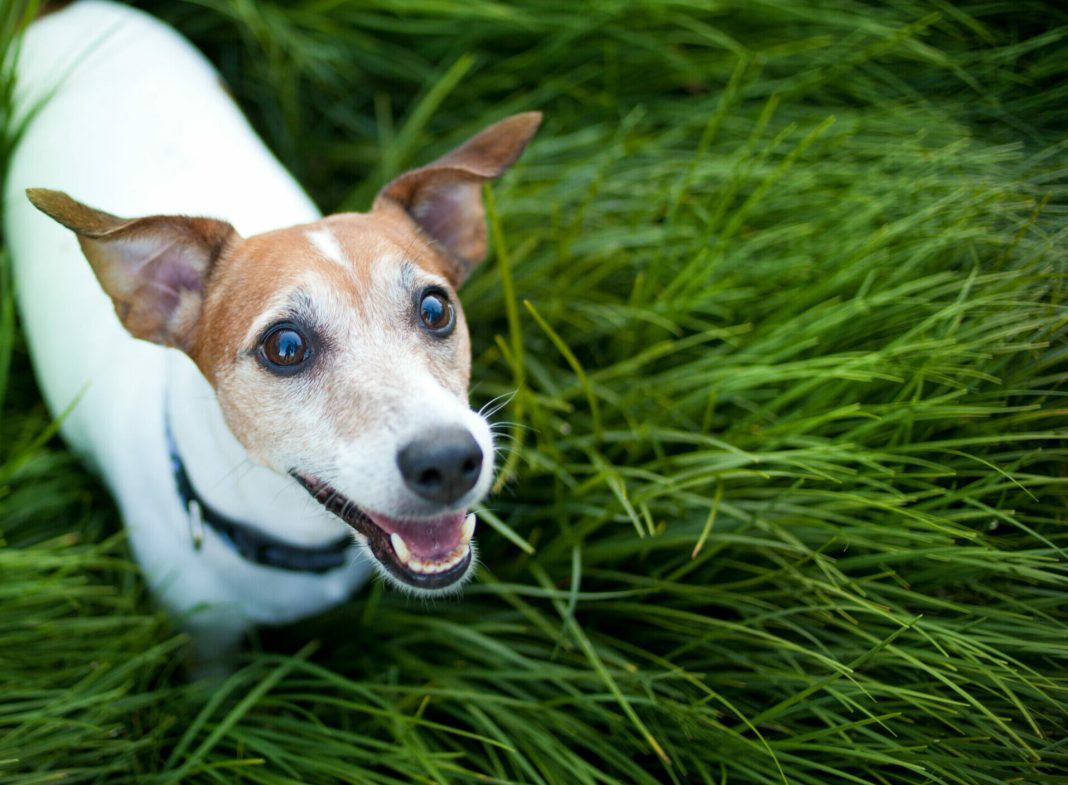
{"x": 442, "y": 464}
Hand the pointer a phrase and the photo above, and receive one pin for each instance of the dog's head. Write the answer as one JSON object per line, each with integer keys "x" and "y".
{"x": 338, "y": 350}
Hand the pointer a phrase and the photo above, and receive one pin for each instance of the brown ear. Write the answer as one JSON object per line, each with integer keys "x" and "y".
{"x": 445, "y": 197}
{"x": 152, "y": 268}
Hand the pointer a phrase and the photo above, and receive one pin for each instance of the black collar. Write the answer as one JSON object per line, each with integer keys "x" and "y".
{"x": 251, "y": 543}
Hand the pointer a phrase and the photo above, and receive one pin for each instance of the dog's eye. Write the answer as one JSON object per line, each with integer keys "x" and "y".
{"x": 285, "y": 348}
{"x": 436, "y": 312}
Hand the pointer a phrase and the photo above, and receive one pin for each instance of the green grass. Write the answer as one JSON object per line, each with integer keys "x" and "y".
{"x": 780, "y": 287}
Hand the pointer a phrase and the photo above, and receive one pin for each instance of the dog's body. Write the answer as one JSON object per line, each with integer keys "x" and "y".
{"x": 300, "y": 341}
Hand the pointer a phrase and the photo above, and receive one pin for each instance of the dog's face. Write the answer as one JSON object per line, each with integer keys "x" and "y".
{"x": 338, "y": 350}
{"x": 340, "y": 355}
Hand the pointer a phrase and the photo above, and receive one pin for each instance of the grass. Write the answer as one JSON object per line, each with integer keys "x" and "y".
{"x": 778, "y": 291}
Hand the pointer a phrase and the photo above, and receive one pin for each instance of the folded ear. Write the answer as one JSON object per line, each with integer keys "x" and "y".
{"x": 152, "y": 268}
{"x": 445, "y": 198}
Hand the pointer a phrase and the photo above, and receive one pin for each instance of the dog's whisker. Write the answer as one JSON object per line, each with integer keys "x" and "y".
{"x": 510, "y": 425}
{"x": 494, "y": 405}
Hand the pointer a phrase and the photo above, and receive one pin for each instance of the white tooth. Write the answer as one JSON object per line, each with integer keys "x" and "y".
{"x": 400, "y": 548}
{"x": 430, "y": 567}
{"x": 468, "y": 531}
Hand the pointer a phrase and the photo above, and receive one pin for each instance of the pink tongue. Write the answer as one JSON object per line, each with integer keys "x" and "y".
{"x": 432, "y": 539}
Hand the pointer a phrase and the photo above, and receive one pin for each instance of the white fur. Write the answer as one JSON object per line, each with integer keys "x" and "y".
{"x": 325, "y": 241}
{"x": 398, "y": 387}
{"x": 140, "y": 125}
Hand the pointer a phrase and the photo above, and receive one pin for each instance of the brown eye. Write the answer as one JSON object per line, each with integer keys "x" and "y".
{"x": 284, "y": 348}
{"x": 436, "y": 312}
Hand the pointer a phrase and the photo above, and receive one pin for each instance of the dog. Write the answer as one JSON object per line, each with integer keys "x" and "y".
{"x": 276, "y": 400}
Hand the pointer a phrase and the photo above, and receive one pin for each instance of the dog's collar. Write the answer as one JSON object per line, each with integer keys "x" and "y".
{"x": 250, "y": 543}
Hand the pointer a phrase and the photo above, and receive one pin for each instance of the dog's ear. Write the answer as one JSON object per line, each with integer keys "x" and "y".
{"x": 445, "y": 197}
{"x": 152, "y": 268}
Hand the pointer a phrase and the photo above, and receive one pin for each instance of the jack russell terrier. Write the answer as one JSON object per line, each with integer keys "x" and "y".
{"x": 316, "y": 405}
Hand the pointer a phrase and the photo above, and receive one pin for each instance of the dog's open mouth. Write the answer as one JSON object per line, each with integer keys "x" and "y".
{"x": 431, "y": 553}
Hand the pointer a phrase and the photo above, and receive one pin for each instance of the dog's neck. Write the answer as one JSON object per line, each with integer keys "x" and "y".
{"x": 222, "y": 472}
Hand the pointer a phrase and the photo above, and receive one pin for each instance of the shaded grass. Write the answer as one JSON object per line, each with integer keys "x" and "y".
{"x": 780, "y": 290}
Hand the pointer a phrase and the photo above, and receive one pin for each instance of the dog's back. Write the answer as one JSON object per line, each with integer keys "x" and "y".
{"x": 132, "y": 118}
